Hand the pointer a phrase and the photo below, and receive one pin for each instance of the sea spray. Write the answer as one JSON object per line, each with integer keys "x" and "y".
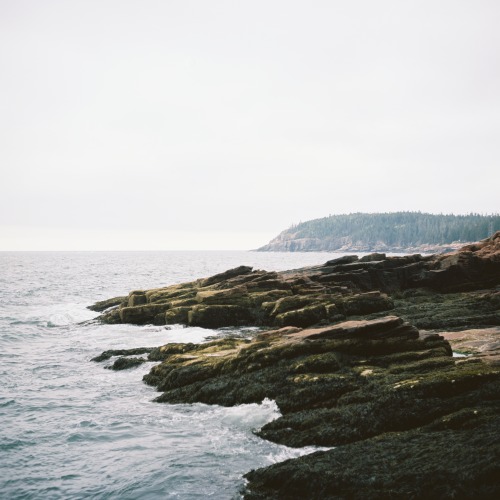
{"x": 70, "y": 428}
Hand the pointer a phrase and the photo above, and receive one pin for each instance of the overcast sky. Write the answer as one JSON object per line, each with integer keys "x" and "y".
{"x": 178, "y": 124}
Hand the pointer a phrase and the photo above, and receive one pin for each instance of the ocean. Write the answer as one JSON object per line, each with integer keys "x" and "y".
{"x": 69, "y": 428}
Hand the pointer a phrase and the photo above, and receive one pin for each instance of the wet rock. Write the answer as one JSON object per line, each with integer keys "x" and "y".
{"x": 342, "y": 287}
{"x": 231, "y": 273}
{"x": 290, "y": 303}
{"x": 407, "y": 419}
{"x": 106, "y": 304}
{"x": 237, "y": 371}
{"x": 140, "y": 315}
{"x": 373, "y": 257}
{"x": 483, "y": 343}
{"x": 379, "y": 391}
{"x": 365, "y": 303}
{"x": 126, "y": 363}
{"x": 454, "y": 457}
{"x": 347, "y": 259}
{"x": 217, "y": 316}
{"x": 235, "y": 296}
{"x": 163, "y": 352}
{"x": 177, "y": 315}
{"x": 122, "y": 352}
{"x": 112, "y": 317}
{"x": 430, "y": 310}
{"x": 303, "y": 317}
{"x": 136, "y": 298}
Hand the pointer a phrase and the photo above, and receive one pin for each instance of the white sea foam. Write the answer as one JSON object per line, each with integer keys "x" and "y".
{"x": 250, "y": 416}
{"x": 72, "y": 429}
{"x": 59, "y": 314}
{"x": 286, "y": 453}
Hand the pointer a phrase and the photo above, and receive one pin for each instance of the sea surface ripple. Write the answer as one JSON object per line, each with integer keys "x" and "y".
{"x": 72, "y": 429}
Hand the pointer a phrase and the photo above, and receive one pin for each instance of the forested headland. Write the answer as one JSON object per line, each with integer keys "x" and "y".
{"x": 397, "y": 231}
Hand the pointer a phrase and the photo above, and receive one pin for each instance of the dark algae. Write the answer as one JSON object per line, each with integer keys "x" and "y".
{"x": 358, "y": 355}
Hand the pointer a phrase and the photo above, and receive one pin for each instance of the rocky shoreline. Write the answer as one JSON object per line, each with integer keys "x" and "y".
{"x": 357, "y": 354}
{"x": 317, "y": 245}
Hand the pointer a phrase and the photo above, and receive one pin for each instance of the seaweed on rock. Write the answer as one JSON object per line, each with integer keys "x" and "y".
{"x": 406, "y": 418}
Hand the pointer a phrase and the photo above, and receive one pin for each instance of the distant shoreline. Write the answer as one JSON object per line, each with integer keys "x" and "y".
{"x": 422, "y": 249}
{"x": 396, "y": 232}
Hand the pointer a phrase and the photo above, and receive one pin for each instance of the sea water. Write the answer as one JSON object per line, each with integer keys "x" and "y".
{"x": 69, "y": 428}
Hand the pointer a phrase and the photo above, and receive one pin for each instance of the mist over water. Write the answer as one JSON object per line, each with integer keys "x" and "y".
{"x": 72, "y": 429}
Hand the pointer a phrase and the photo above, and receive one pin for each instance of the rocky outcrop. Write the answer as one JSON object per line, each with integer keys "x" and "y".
{"x": 344, "y": 288}
{"x": 292, "y": 243}
{"x": 107, "y": 304}
{"x": 455, "y": 456}
{"x": 404, "y": 417}
{"x": 483, "y": 343}
{"x": 236, "y": 371}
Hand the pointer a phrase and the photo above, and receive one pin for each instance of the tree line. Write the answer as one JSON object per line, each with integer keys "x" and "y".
{"x": 399, "y": 228}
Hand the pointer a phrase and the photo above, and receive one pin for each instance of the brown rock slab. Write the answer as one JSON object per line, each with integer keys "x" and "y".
{"x": 483, "y": 343}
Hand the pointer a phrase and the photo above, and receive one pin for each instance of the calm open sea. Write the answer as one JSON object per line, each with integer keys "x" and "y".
{"x": 70, "y": 428}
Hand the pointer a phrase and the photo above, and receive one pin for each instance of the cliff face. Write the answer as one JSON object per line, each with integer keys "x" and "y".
{"x": 348, "y": 356}
{"x": 291, "y": 242}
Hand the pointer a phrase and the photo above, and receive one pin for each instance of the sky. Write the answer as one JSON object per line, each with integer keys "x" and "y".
{"x": 211, "y": 125}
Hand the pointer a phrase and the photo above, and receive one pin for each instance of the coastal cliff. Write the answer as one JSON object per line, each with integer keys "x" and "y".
{"x": 357, "y": 354}
{"x": 397, "y": 232}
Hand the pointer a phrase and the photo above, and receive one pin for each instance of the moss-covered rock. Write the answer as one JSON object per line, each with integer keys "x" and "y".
{"x": 136, "y": 298}
{"x": 125, "y": 363}
{"x": 106, "y": 304}
{"x": 140, "y": 315}
{"x": 356, "y": 287}
{"x": 217, "y": 316}
{"x": 304, "y": 317}
{"x": 177, "y": 315}
{"x": 456, "y": 456}
{"x": 351, "y": 385}
{"x": 122, "y": 352}
{"x": 365, "y": 303}
{"x": 407, "y": 419}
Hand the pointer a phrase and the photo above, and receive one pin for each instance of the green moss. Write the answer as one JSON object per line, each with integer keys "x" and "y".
{"x": 321, "y": 363}
{"x": 141, "y": 315}
{"x": 163, "y": 352}
{"x": 290, "y": 303}
{"x": 217, "y": 316}
{"x": 177, "y": 315}
{"x": 415, "y": 464}
{"x": 268, "y": 297}
{"x": 106, "y": 304}
{"x": 425, "y": 365}
{"x": 175, "y": 292}
{"x": 365, "y": 303}
{"x": 447, "y": 311}
{"x": 233, "y": 296}
{"x": 304, "y": 317}
{"x": 112, "y": 317}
